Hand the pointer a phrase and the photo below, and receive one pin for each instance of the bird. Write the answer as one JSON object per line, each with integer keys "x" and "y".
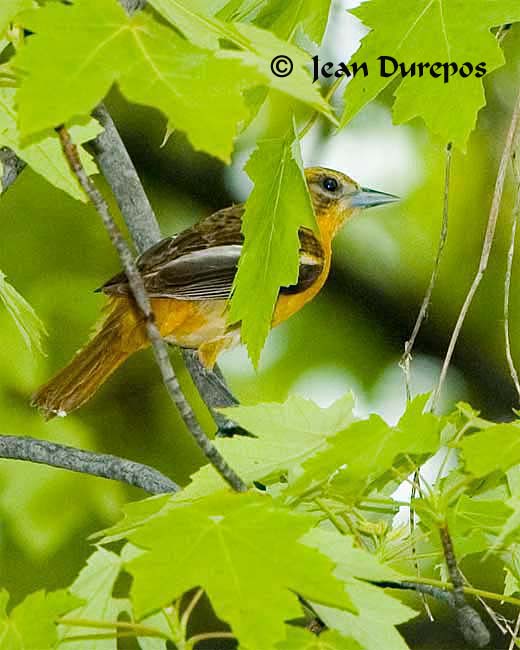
{"x": 189, "y": 279}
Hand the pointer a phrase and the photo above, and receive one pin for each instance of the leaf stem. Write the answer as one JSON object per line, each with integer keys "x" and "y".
{"x": 138, "y": 629}
{"x": 209, "y": 635}
{"x": 339, "y": 523}
{"x": 189, "y": 609}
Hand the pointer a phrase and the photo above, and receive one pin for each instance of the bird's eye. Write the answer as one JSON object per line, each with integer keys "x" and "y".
{"x": 330, "y": 184}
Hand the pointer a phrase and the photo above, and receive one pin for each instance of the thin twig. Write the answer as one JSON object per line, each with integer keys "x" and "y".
{"x": 119, "y": 171}
{"x": 143, "y": 303}
{"x": 423, "y": 590}
{"x": 86, "y": 462}
{"x": 514, "y": 634}
{"x": 406, "y": 359}
{"x": 416, "y": 489}
{"x": 486, "y": 248}
{"x": 507, "y": 283}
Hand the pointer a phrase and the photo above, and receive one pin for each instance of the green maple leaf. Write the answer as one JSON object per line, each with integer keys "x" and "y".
{"x": 430, "y": 31}
{"x": 94, "y": 586}
{"x": 374, "y": 626}
{"x": 367, "y": 449}
{"x": 285, "y": 436}
{"x": 44, "y": 153}
{"x": 253, "y": 46}
{"x": 26, "y": 319}
{"x": 67, "y": 71}
{"x": 136, "y": 514}
{"x": 196, "y": 20}
{"x": 276, "y": 208}
{"x": 298, "y": 639}
{"x": 238, "y": 548}
{"x": 350, "y": 561}
{"x": 492, "y": 449}
{"x": 285, "y": 19}
{"x": 31, "y": 625}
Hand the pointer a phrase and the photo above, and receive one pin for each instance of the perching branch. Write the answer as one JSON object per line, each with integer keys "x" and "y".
{"x": 86, "y": 462}
{"x": 119, "y": 171}
{"x": 143, "y": 303}
{"x": 486, "y": 248}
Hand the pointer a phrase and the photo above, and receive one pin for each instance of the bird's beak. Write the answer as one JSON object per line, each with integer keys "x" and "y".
{"x": 366, "y": 198}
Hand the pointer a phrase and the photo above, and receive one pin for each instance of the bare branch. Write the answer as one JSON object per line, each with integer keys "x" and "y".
{"x": 120, "y": 173}
{"x": 486, "y": 248}
{"x": 86, "y": 462}
{"x": 507, "y": 282}
{"x": 407, "y": 356}
{"x": 141, "y": 298}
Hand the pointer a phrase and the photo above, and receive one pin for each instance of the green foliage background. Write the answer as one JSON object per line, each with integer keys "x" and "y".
{"x": 55, "y": 253}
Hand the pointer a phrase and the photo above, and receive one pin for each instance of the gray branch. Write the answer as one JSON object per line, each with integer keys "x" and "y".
{"x": 142, "y": 301}
{"x": 86, "y": 462}
{"x": 470, "y": 623}
{"x": 119, "y": 171}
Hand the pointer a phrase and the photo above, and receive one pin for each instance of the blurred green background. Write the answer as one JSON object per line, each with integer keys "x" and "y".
{"x": 55, "y": 252}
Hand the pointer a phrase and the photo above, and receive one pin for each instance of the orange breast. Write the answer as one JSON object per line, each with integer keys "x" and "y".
{"x": 289, "y": 304}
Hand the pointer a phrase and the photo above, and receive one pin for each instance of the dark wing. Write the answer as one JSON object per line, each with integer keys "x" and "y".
{"x": 201, "y": 262}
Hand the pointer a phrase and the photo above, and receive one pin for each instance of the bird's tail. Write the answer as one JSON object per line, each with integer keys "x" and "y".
{"x": 119, "y": 335}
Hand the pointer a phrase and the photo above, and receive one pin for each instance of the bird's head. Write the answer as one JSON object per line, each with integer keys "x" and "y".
{"x": 336, "y": 198}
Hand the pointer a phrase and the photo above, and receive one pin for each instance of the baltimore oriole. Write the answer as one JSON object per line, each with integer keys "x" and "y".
{"x": 189, "y": 279}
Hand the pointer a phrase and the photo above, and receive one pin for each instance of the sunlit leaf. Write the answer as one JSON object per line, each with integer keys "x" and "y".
{"x": 238, "y": 548}
{"x": 31, "y": 625}
{"x": 430, "y": 31}
{"x": 94, "y": 586}
{"x": 44, "y": 153}
{"x": 298, "y": 639}
{"x": 27, "y": 321}
{"x": 494, "y": 448}
{"x": 66, "y": 72}
{"x": 276, "y": 208}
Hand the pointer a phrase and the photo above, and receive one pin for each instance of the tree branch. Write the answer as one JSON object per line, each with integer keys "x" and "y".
{"x": 406, "y": 359}
{"x": 120, "y": 173}
{"x": 86, "y": 462}
{"x": 471, "y": 625}
{"x": 143, "y": 303}
{"x": 486, "y": 247}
